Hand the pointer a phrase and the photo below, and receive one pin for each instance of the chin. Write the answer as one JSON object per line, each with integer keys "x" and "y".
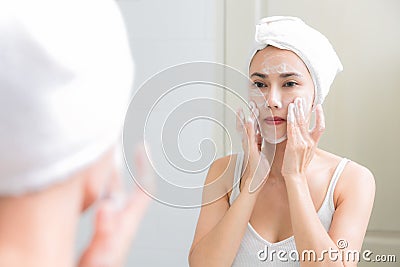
{"x": 274, "y": 132}
{"x": 275, "y": 139}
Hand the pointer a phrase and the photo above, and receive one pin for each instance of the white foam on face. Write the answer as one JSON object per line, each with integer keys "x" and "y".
{"x": 276, "y": 141}
{"x": 279, "y": 69}
{"x": 259, "y": 102}
{"x": 258, "y": 98}
{"x": 260, "y": 94}
{"x": 269, "y": 136}
{"x": 278, "y": 64}
{"x": 272, "y": 64}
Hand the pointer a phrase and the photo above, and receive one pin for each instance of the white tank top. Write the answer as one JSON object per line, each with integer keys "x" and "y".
{"x": 255, "y": 250}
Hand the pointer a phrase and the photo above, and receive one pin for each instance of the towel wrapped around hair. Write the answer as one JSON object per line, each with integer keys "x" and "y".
{"x": 317, "y": 53}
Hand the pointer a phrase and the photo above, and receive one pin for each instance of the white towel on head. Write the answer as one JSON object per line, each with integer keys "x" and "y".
{"x": 291, "y": 33}
{"x": 65, "y": 80}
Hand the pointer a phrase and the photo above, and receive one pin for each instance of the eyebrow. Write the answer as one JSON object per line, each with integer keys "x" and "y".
{"x": 288, "y": 74}
{"x": 282, "y": 75}
{"x": 261, "y": 75}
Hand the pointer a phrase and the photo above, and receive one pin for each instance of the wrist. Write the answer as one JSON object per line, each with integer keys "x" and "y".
{"x": 248, "y": 194}
{"x": 297, "y": 187}
{"x": 296, "y": 178}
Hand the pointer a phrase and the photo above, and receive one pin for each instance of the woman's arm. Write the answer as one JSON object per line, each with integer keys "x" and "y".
{"x": 118, "y": 218}
{"x": 350, "y": 220}
{"x": 355, "y": 195}
{"x": 221, "y": 227}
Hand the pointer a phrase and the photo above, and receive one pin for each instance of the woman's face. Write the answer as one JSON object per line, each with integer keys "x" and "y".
{"x": 278, "y": 78}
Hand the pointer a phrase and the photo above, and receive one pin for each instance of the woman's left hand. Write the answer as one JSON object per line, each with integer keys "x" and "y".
{"x": 117, "y": 219}
{"x": 301, "y": 143}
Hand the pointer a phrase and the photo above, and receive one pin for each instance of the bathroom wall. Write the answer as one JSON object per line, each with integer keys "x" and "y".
{"x": 163, "y": 34}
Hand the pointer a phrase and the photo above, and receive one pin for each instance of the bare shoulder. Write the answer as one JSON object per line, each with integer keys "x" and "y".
{"x": 356, "y": 180}
{"x": 219, "y": 179}
{"x": 222, "y": 167}
{"x": 215, "y": 200}
{"x": 356, "y": 177}
{"x": 352, "y": 171}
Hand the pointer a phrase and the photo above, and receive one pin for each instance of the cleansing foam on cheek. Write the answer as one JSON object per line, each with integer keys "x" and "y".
{"x": 258, "y": 98}
{"x": 269, "y": 135}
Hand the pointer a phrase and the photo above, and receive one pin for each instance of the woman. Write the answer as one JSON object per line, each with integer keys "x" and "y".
{"x": 288, "y": 203}
{"x": 65, "y": 80}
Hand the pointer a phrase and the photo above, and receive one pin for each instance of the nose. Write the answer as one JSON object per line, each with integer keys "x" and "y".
{"x": 273, "y": 100}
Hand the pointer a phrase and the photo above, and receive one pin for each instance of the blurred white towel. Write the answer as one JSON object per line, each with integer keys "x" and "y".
{"x": 65, "y": 79}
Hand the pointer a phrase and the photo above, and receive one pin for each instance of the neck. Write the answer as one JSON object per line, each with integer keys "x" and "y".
{"x": 274, "y": 153}
{"x": 39, "y": 229}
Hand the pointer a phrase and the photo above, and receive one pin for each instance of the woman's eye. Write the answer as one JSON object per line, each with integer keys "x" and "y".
{"x": 290, "y": 84}
{"x": 259, "y": 84}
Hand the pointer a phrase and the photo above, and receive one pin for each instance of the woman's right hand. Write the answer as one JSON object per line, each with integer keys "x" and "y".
{"x": 257, "y": 165}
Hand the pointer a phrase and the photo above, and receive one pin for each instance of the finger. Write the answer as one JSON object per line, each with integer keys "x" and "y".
{"x": 291, "y": 122}
{"x": 144, "y": 175}
{"x": 248, "y": 125}
{"x": 301, "y": 118}
{"x": 105, "y": 219}
{"x": 240, "y": 121}
{"x": 101, "y": 250}
{"x": 115, "y": 185}
{"x": 239, "y": 124}
{"x": 134, "y": 212}
{"x": 114, "y": 230}
{"x": 118, "y": 217}
{"x": 138, "y": 200}
{"x": 299, "y": 134}
{"x": 248, "y": 143}
{"x": 250, "y": 131}
{"x": 299, "y": 108}
{"x": 254, "y": 113}
{"x": 136, "y": 203}
{"x": 252, "y": 105}
{"x": 108, "y": 210}
{"x": 319, "y": 128}
{"x": 259, "y": 138}
{"x": 241, "y": 129}
{"x": 253, "y": 108}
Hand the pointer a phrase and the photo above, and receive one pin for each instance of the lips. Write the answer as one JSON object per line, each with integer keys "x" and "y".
{"x": 275, "y": 120}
